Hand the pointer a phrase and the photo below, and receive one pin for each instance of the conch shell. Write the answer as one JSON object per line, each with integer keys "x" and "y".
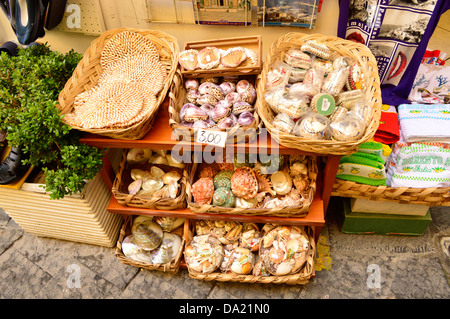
{"x": 138, "y": 156}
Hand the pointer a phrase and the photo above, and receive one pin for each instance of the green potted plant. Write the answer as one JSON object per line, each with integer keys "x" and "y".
{"x": 30, "y": 83}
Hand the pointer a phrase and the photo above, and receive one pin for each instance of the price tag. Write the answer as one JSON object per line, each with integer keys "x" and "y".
{"x": 210, "y": 137}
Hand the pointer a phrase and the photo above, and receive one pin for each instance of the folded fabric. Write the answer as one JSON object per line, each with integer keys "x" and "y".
{"x": 424, "y": 123}
{"x": 363, "y": 168}
{"x": 431, "y": 84}
{"x": 388, "y": 131}
{"x": 418, "y": 165}
{"x": 371, "y": 147}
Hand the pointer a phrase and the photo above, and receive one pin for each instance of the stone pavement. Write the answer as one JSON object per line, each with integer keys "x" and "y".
{"x": 409, "y": 267}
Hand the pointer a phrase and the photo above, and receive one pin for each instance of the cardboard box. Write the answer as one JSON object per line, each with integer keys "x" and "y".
{"x": 385, "y": 207}
{"x": 381, "y": 224}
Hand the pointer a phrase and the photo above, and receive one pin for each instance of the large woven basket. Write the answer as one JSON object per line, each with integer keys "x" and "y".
{"x": 364, "y": 58}
{"x": 171, "y": 267}
{"x": 123, "y": 179}
{"x": 300, "y": 278}
{"x": 432, "y": 196}
{"x": 292, "y": 211}
{"x": 177, "y": 98}
{"x": 88, "y": 71}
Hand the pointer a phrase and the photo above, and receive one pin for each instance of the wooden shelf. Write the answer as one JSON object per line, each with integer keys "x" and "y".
{"x": 161, "y": 137}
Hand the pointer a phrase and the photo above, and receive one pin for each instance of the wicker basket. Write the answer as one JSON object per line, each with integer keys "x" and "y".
{"x": 177, "y": 98}
{"x": 123, "y": 179}
{"x": 292, "y": 211}
{"x": 88, "y": 71}
{"x": 300, "y": 278}
{"x": 432, "y": 196}
{"x": 364, "y": 58}
{"x": 171, "y": 267}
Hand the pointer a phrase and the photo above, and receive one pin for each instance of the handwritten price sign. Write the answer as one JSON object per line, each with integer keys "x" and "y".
{"x": 210, "y": 137}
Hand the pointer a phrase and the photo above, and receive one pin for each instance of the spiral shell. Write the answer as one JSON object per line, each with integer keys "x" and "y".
{"x": 223, "y": 197}
{"x": 223, "y": 179}
{"x": 244, "y": 183}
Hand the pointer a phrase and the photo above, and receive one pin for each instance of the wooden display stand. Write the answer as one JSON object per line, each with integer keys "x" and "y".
{"x": 160, "y": 137}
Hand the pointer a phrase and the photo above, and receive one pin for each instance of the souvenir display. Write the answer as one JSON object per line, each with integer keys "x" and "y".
{"x": 260, "y": 250}
{"x": 314, "y": 79}
{"x": 284, "y": 249}
{"x": 212, "y": 57}
{"x": 218, "y": 104}
{"x": 151, "y": 241}
{"x": 269, "y": 182}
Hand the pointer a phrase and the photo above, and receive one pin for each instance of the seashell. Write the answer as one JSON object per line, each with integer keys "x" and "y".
{"x": 194, "y": 113}
{"x": 220, "y": 112}
{"x": 187, "y": 124}
{"x": 158, "y": 159}
{"x": 192, "y": 96}
{"x": 156, "y": 171}
{"x": 233, "y": 97}
{"x": 162, "y": 192}
{"x": 246, "y": 203}
{"x": 201, "y": 124}
{"x": 203, "y": 190}
{"x": 243, "y": 261}
{"x": 283, "y": 122}
{"x": 242, "y": 106}
{"x": 297, "y": 58}
{"x": 270, "y": 163}
{"x": 316, "y": 48}
{"x": 249, "y": 95}
{"x": 184, "y": 108}
{"x": 246, "y": 118}
{"x": 312, "y": 126}
{"x": 207, "y": 98}
{"x": 298, "y": 168}
{"x": 223, "y": 197}
{"x": 224, "y": 103}
{"x": 205, "y": 87}
{"x": 147, "y": 234}
{"x": 290, "y": 202}
{"x": 188, "y": 59}
{"x": 242, "y": 86}
{"x": 138, "y": 156}
{"x": 167, "y": 250}
{"x": 169, "y": 224}
{"x": 212, "y": 79}
{"x": 223, "y": 179}
{"x": 244, "y": 183}
{"x": 226, "y": 122}
{"x": 233, "y": 57}
{"x": 273, "y": 203}
{"x": 171, "y": 191}
{"x": 171, "y": 177}
{"x": 264, "y": 184}
{"x": 208, "y": 108}
{"x": 145, "y": 193}
{"x": 243, "y": 159}
{"x": 204, "y": 254}
{"x": 281, "y": 182}
{"x": 217, "y": 92}
{"x": 252, "y": 57}
{"x": 208, "y": 171}
{"x": 171, "y": 161}
{"x": 134, "y": 186}
{"x": 191, "y": 84}
{"x": 227, "y": 87}
{"x": 137, "y": 173}
{"x": 250, "y": 237}
{"x": 152, "y": 184}
{"x": 284, "y": 268}
{"x": 208, "y": 58}
{"x": 128, "y": 247}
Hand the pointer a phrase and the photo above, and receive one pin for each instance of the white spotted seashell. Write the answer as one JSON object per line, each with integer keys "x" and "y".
{"x": 227, "y": 87}
{"x": 191, "y": 84}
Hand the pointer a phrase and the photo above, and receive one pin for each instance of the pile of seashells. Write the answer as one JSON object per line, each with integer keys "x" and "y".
{"x": 218, "y": 103}
{"x": 318, "y": 94}
{"x": 154, "y": 182}
{"x": 153, "y": 240}
{"x": 247, "y": 248}
{"x": 280, "y": 182}
{"x": 212, "y": 57}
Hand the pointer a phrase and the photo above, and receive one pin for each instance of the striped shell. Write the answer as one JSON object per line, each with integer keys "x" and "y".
{"x": 223, "y": 179}
{"x": 188, "y": 59}
{"x": 208, "y": 58}
{"x": 233, "y": 57}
